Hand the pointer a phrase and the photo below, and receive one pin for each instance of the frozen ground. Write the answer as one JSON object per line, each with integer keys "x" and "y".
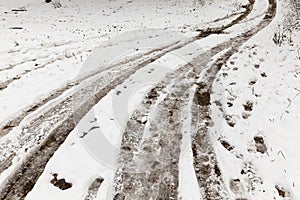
{"x": 144, "y": 46}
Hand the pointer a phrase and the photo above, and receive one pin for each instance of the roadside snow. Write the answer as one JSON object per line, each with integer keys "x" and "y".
{"x": 265, "y": 77}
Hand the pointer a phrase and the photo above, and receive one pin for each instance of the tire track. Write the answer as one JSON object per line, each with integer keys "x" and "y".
{"x": 44, "y": 48}
{"x": 26, "y": 174}
{"x": 132, "y": 184}
{"x": 129, "y": 177}
{"x": 44, "y": 139}
{"x": 16, "y": 53}
{"x": 148, "y": 165}
{"x": 205, "y": 162}
{"x": 7, "y": 126}
{"x": 38, "y": 128}
{"x": 59, "y": 57}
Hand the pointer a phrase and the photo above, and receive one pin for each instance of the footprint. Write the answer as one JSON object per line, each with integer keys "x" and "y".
{"x": 248, "y": 106}
{"x": 230, "y": 121}
{"x": 245, "y": 115}
{"x": 260, "y": 144}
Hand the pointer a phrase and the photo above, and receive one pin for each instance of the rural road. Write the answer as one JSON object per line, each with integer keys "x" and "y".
{"x": 148, "y": 162}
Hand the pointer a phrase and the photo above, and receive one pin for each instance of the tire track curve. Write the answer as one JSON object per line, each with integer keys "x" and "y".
{"x": 24, "y": 177}
{"x": 148, "y": 184}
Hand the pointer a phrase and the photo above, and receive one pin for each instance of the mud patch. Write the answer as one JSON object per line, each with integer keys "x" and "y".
{"x": 281, "y": 191}
{"x": 260, "y": 144}
{"x": 248, "y": 106}
{"x": 60, "y": 183}
{"x": 230, "y": 121}
{"x": 226, "y": 144}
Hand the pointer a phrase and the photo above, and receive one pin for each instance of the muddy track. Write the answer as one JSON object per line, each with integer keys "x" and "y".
{"x": 24, "y": 177}
{"x": 205, "y": 163}
{"x": 6, "y": 127}
{"x": 179, "y": 83}
{"x": 62, "y": 116}
{"x": 131, "y": 171}
{"x": 150, "y": 160}
{"x": 139, "y": 154}
{"x": 45, "y": 139}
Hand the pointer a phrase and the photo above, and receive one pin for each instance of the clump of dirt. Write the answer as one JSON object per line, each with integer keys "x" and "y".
{"x": 280, "y": 191}
{"x": 60, "y": 183}
{"x": 263, "y": 74}
{"x": 229, "y": 104}
{"x": 226, "y": 144}
{"x": 248, "y": 106}
{"x": 250, "y": 176}
{"x": 204, "y": 169}
{"x": 245, "y": 115}
{"x": 230, "y": 120}
{"x": 252, "y": 82}
{"x": 118, "y": 92}
{"x": 260, "y": 144}
{"x": 153, "y": 94}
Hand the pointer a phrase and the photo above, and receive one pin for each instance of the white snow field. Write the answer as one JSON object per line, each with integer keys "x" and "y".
{"x": 46, "y": 48}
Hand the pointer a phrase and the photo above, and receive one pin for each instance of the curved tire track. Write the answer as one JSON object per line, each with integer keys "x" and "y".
{"x": 205, "y": 162}
{"x": 25, "y": 176}
{"x": 149, "y": 183}
{"x": 7, "y": 126}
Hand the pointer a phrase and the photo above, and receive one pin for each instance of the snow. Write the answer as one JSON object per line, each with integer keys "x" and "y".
{"x": 110, "y": 116}
{"x": 57, "y": 46}
{"x": 275, "y": 113}
{"x": 188, "y": 185}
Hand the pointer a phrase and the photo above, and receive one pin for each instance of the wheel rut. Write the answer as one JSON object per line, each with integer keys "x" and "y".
{"x": 23, "y": 178}
{"x": 136, "y": 176}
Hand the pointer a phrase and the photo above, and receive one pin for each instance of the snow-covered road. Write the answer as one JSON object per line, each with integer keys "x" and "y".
{"x": 131, "y": 122}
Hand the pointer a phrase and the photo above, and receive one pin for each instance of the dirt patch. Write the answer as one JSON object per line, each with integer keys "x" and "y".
{"x": 248, "y": 106}
{"x": 260, "y": 144}
{"x": 280, "y": 191}
{"x": 263, "y": 74}
{"x": 229, "y": 120}
{"x": 226, "y": 144}
{"x": 60, "y": 183}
